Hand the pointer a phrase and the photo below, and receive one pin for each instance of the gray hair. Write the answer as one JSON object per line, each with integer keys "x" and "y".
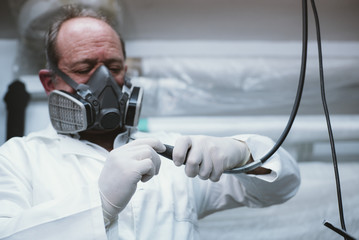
{"x": 69, "y": 12}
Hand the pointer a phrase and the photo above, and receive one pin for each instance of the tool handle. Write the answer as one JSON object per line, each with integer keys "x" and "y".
{"x": 168, "y": 152}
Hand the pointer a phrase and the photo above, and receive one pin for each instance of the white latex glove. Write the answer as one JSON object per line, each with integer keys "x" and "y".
{"x": 123, "y": 169}
{"x": 208, "y": 157}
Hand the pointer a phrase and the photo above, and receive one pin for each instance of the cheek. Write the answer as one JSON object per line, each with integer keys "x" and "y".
{"x": 120, "y": 78}
{"x": 61, "y": 85}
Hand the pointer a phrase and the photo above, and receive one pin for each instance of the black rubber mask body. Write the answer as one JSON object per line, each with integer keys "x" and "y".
{"x": 99, "y": 104}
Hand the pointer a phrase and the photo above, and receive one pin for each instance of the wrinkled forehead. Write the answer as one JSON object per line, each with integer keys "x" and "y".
{"x": 86, "y": 31}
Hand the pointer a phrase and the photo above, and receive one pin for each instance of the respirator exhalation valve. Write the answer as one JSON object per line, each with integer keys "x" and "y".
{"x": 110, "y": 118}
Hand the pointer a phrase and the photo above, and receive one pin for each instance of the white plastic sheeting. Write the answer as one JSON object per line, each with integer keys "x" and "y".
{"x": 245, "y": 86}
{"x": 301, "y": 217}
{"x": 306, "y": 128}
{"x": 222, "y": 96}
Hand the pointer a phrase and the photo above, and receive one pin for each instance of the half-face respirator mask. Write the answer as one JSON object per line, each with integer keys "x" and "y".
{"x": 101, "y": 104}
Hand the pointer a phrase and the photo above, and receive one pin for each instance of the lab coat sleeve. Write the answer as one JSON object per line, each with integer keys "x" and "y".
{"x": 236, "y": 190}
{"x": 76, "y": 215}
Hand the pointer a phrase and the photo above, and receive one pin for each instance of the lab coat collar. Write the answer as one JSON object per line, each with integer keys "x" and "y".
{"x": 124, "y": 137}
{"x": 74, "y": 145}
{"x": 48, "y": 133}
{"x": 71, "y": 144}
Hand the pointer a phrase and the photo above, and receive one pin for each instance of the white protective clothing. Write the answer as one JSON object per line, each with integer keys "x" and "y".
{"x": 124, "y": 168}
{"x": 49, "y": 190}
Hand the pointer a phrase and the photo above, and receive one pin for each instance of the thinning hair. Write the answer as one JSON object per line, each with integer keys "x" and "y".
{"x": 69, "y": 12}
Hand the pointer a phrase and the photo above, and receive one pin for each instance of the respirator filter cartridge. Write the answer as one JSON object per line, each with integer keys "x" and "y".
{"x": 67, "y": 114}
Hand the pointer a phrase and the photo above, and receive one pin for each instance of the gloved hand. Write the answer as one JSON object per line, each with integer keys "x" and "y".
{"x": 208, "y": 157}
{"x": 123, "y": 169}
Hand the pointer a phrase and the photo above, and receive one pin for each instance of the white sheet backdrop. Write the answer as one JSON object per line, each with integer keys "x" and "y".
{"x": 301, "y": 217}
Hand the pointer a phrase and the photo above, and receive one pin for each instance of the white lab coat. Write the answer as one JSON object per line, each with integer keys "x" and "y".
{"x": 48, "y": 190}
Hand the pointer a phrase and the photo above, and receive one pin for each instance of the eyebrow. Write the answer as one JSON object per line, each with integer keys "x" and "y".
{"x": 114, "y": 60}
{"x": 93, "y": 61}
{"x": 89, "y": 61}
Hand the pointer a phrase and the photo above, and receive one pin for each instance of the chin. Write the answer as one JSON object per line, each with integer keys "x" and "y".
{"x": 97, "y": 131}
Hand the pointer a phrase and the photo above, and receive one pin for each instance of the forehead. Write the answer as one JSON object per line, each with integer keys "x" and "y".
{"x": 85, "y": 35}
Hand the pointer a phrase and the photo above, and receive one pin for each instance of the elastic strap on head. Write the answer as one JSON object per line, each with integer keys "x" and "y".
{"x": 66, "y": 78}
{"x": 81, "y": 89}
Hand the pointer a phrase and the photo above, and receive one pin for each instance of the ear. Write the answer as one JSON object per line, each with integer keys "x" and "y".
{"x": 45, "y": 76}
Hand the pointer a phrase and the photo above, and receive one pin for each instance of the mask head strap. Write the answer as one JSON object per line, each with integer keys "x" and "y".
{"x": 66, "y": 78}
{"x": 82, "y": 89}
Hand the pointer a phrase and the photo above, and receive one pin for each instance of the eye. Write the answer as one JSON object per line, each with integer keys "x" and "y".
{"x": 83, "y": 71}
{"x": 83, "y": 68}
{"x": 115, "y": 69}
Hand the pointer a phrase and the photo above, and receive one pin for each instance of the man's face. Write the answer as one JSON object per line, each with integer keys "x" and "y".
{"x": 83, "y": 45}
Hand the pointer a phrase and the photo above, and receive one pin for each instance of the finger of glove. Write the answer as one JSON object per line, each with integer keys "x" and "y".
{"x": 194, "y": 160}
{"x": 216, "y": 172}
{"x": 218, "y": 160}
{"x": 156, "y": 144}
{"x": 206, "y": 166}
{"x": 147, "y": 169}
{"x": 180, "y": 150}
{"x": 148, "y": 153}
{"x": 123, "y": 159}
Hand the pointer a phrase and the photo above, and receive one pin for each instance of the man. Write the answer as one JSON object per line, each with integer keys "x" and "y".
{"x": 96, "y": 184}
